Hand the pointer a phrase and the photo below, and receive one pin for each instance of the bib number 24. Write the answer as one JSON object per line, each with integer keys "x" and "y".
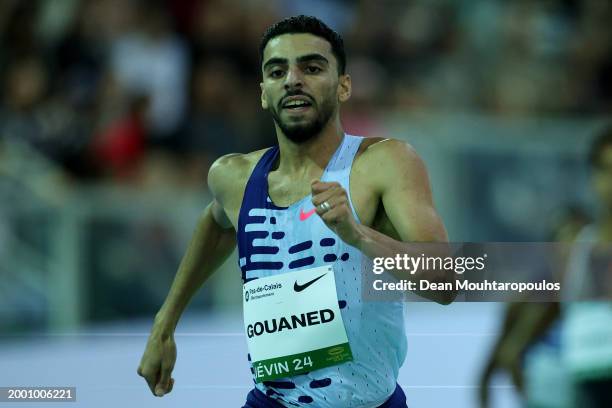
{"x": 300, "y": 363}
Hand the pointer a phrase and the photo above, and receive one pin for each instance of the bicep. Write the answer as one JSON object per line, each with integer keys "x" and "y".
{"x": 407, "y": 199}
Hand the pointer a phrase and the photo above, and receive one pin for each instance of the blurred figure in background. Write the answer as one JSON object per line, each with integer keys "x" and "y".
{"x": 216, "y": 96}
{"x": 119, "y": 147}
{"x": 150, "y": 59}
{"x": 560, "y": 355}
{"x": 528, "y": 346}
{"x": 587, "y": 312}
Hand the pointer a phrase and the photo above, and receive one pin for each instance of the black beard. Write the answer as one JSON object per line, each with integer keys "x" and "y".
{"x": 300, "y": 133}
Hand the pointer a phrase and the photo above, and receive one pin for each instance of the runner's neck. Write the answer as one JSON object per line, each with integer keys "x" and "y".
{"x": 299, "y": 158}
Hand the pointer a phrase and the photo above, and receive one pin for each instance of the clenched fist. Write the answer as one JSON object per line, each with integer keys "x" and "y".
{"x": 157, "y": 363}
{"x": 332, "y": 205}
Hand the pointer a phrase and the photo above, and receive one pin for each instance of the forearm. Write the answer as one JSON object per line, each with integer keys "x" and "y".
{"x": 535, "y": 319}
{"x": 209, "y": 247}
{"x": 377, "y": 245}
{"x": 511, "y": 316}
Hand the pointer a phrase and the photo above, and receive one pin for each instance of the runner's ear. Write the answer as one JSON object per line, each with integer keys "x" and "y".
{"x": 344, "y": 88}
{"x": 264, "y": 102}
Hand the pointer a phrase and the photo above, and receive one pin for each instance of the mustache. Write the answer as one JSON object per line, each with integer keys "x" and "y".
{"x": 294, "y": 93}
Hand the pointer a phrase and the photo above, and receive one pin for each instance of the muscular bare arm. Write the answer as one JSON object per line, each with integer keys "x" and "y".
{"x": 212, "y": 242}
{"x": 398, "y": 178}
{"x": 209, "y": 247}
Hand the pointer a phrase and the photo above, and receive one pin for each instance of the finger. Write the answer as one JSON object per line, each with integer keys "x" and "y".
{"x": 337, "y": 200}
{"x": 149, "y": 376}
{"x": 336, "y": 190}
{"x": 334, "y": 201}
{"x": 151, "y": 384}
{"x": 167, "y": 365}
{"x": 334, "y": 216}
{"x": 324, "y": 196}
{"x": 320, "y": 186}
{"x": 163, "y": 383}
{"x": 170, "y": 386}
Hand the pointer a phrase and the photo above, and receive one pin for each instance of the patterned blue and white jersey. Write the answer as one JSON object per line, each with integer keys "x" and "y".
{"x": 273, "y": 240}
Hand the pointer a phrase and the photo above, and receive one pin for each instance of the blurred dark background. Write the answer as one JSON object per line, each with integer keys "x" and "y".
{"x": 107, "y": 89}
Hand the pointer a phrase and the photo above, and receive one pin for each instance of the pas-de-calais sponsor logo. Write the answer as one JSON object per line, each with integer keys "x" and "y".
{"x": 246, "y": 295}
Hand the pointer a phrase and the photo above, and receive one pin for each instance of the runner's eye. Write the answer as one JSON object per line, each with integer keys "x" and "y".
{"x": 313, "y": 69}
{"x": 276, "y": 73}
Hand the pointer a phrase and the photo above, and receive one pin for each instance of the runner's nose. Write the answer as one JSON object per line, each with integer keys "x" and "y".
{"x": 294, "y": 79}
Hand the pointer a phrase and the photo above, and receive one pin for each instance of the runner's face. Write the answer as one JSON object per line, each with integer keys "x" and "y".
{"x": 603, "y": 178}
{"x": 301, "y": 87}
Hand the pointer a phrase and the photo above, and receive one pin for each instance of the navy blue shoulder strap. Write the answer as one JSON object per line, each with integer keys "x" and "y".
{"x": 255, "y": 196}
{"x": 256, "y": 190}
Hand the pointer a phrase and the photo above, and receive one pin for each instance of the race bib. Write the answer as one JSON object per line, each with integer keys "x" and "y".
{"x": 293, "y": 323}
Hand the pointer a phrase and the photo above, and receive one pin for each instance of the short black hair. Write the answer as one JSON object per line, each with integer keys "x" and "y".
{"x": 603, "y": 140}
{"x": 309, "y": 25}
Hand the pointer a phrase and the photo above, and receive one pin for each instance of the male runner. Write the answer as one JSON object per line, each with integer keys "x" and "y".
{"x": 319, "y": 198}
{"x": 586, "y": 334}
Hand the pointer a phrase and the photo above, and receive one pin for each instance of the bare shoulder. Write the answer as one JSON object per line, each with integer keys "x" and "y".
{"x": 229, "y": 174}
{"x": 381, "y": 160}
{"x": 372, "y": 148}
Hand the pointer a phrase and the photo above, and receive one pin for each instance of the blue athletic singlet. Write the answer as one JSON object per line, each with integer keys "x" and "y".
{"x": 273, "y": 240}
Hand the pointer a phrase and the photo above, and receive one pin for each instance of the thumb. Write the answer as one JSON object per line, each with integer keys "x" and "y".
{"x": 313, "y": 183}
{"x": 163, "y": 384}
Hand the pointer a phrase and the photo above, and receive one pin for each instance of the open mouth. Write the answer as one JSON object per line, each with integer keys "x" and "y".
{"x": 297, "y": 105}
